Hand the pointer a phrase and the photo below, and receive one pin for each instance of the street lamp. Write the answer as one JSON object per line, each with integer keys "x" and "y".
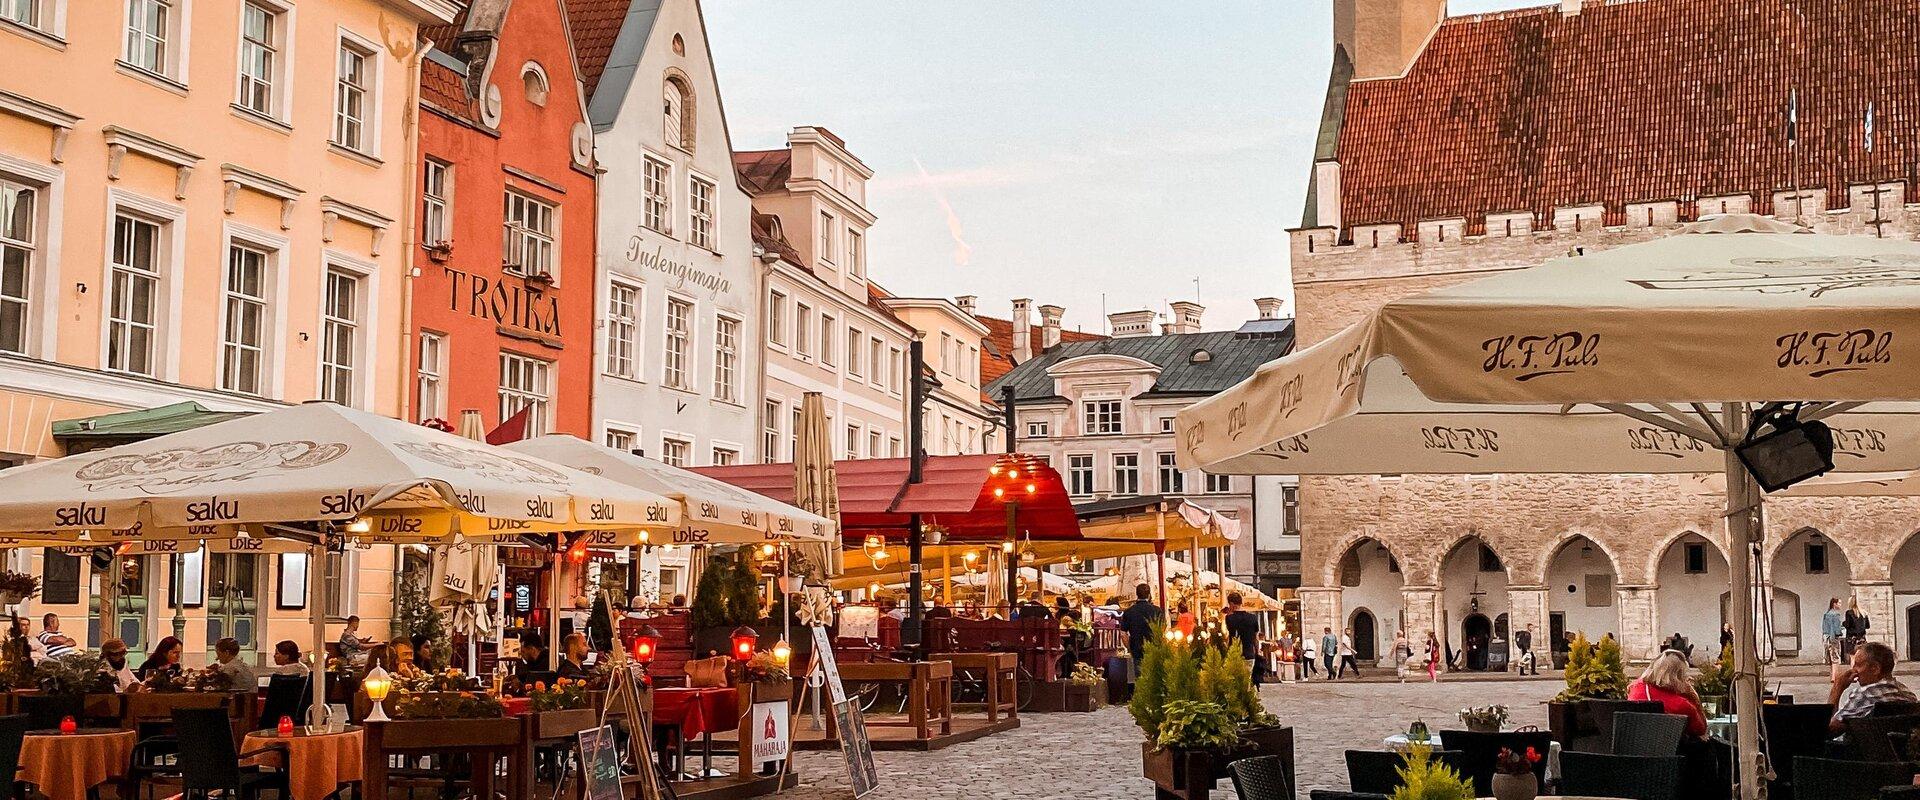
{"x": 377, "y": 683}
{"x": 744, "y": 638}
{"x": 645, "y": 643}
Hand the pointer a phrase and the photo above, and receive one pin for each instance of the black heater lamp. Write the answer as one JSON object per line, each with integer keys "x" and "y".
{"x": 1780, "y": 450}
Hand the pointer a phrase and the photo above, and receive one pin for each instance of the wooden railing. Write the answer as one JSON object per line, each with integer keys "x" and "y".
{"x": 929, "y": 688}
{"x": 1000, "y": 672}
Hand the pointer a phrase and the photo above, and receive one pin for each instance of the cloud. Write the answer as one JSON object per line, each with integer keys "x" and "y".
{"x": 991, "y": 175}
{"x": 962, "y": 252}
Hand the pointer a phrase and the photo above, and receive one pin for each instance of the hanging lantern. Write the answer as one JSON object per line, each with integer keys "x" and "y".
{"x": 577, "y": 552}
{"x": 744, "y": 639}
{"x": 645, "y": 643}
{"x": 782, "y": 651}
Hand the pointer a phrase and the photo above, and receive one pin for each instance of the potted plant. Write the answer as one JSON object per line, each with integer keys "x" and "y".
{"x": 72, "y": 675}
{"x": 1085, "y": 689}
{"x": 562, "y": 709}
{"x": 1484, "y": 719}
{"x": 1197, "y": 711}
{"x": 1513, "y": 775}
{"x": 1714, "y": 684}
{"x": 1594, "y": 672}
{"x": 1422, "y": 778}
{"x": 17, "y": 586}
{"x": 727, "y": 597}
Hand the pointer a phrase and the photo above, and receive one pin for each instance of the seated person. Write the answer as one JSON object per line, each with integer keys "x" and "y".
{"x": 1867, "y": 683}
{"x": 1665, "y": 680}
{"x": 573, "y": 656}
{"x": 399, "y": 659}
{"x": 530, "y": 666}
{"x": 114, "y": 653}
{"x": 353, "y": 649}
{"x": 286, "y": 660}
{"x": 226, "y": 653}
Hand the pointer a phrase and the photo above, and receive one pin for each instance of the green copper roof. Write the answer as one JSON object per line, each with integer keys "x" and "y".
{"x": 143, "y": 424}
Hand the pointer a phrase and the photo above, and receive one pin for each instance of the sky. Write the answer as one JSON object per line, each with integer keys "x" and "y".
{"x": 1117, "y": 156}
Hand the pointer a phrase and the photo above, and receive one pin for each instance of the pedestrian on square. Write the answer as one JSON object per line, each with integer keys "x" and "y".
{"x": 1308, "y": 655}
{"x": 1402, "y": 653}
{"x": 1855, "y": 625}
{"x": 1329, "y": 650}
{"x": 1433, "y": 657}
{"x": 1831, "y": 630}
{"x": 1346, "y": 654}
{"x": 1523, "y": 641}
{"x": 1138, "y": 621}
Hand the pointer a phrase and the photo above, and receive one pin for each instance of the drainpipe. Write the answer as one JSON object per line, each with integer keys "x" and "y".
{"x": 1007, "y": 418}
{"x": 410, "y": 162}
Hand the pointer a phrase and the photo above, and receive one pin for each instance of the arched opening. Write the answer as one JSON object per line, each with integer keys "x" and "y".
{"x": 1370, "y": 578}
{"x": 1476, "y": 631}
{"x": 677, "y": 113}
{"x": 1691, "y": 576}
{"x": 1580, "y": 579}
{"x": 1906, "y": 595}
{"x": 1473, "y": 582}
{"x": 1364, "y": 635}
{"x": 1809, "y": 571}
{"x": 534, "y": 80}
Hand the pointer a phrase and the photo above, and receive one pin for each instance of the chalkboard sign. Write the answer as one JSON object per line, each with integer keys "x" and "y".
{"x": 846, "y": 718}
{"x": 600, "y": 762}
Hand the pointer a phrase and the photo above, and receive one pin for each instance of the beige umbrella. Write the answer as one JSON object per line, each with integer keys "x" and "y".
{"x": 815, "y": 487}
{"x": 1645, "y": 358}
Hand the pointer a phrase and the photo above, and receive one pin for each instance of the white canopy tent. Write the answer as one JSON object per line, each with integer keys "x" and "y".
{"x": 1650, "y": 358}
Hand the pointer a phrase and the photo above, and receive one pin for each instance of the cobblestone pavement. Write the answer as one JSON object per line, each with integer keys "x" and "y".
{"x": 1097, "y": 756}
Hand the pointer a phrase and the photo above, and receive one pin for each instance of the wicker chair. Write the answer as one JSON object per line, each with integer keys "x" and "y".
{"x": 1870, "y": 738}
{"x": 1260, "y": 778}
{"x": 1378, "y": 771}
{"x": 1603, "y": 712}
{"x": 1479, "y": 751}
{"x": 1633, "y": 777}
{"x": 1638, "y": 734}
{"x": 1833, "y": 779}
{"x": 1793, "y": 729}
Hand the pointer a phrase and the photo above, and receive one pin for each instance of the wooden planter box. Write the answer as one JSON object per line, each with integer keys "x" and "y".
{"x": 564, "y": 724}
{"x": 1571, "y": 723}
{"x": 1084, "y": 697}
{"x": 1193, "y": 774}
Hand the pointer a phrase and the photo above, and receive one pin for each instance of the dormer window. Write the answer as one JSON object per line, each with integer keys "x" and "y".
{"x": 1200, "y": 357}
{"x": 534, "y": 80}
{"x": 677, "y": 113}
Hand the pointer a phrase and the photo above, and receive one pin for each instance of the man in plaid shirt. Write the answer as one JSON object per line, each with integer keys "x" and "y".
{"x": 1868, "y": 683}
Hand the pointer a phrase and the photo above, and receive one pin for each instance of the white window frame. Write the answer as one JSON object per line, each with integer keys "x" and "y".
{"x": 370, "y": 121}
{"x": 827, "y": 228}
{"x": 46, "y": 20}
{"x": 42, "y": 248}
{"x": 777, "y": 319}
{"x": 529, "y": 234}
{"x": 280, "y": 50}
{"x": 852, "y": 443}
{"x": 1096, "y": 419}
{"x": 802, "y": 331}
{"x": 614, "y": 434}
{"x": 430, "y": 376}
{"x": 150, "y": 281}
{"x": 1131, "y": 486}
{"x": 726, "y": 358}
{"x": 773, "y": 412}
{"x": 856, "y": 345}
{"x": 173, "y": 253}
{"x": 876, "y": 362}
{"x": 685, "y": 442}
{"x": 895, "y": 372}
{"x": 436, "y": 202}
{"x": 1038, "y": 429}
{"x": 272, "y": 257}
{"x": 874, "y": 436}
{"x": 526, "y": 381}
{"x": 623, "y": 329}
{"x": 173, "y": 38}
{"x": 1173, "y": 479}
{"x": 678, "y": 343}
{"x": 359, "y": 326}
{"x": 1219, "y": 484}
{"x": 723, "y": 455}
{"x": 856, "y": 251}
{"x": 829, "y": 334}
{"x": 700, "y": 210}
{"x": 656, "y": 198}
{"x": 1078, "y": 465}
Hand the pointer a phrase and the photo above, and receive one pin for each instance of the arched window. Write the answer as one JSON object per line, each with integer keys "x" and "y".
{"x": 534, "y": 80}
{"x": 677, "y": 113}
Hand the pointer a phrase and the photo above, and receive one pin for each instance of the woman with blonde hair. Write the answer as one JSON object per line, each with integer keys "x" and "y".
{"x": 1666, "y": 681}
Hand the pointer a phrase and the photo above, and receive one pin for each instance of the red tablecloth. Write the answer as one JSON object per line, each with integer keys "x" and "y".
{"x": 697, "y": 711}
{"x": 516, "y": 706}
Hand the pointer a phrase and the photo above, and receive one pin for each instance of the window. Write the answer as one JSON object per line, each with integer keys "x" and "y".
{"x": 856, "y": 253}
{"x": 726, "y": 359}
{"x": 1816, "y": 558}
{"x": 1489, "y": 560}
{"x": 528, "y": 246}
{"x": 827, "y": 331}
{"x": 1037, "y": 429}
{"x": 623, "y": 329}
{"x": 802, "y": 330}
{"x": 657, "y": 209}
{"x": 776, "y": 317}
{"x": 533, "y": 81}
{"x": 1696, "y": 554}
{"x": 1101, "y": 416}
{"x": 1126, "y": 473}
{"x": 675, "y": 452}
{"x": 826, "y": 237}
{"x": 1219, "y": 484}
{"x": 259, "y": 59}
{"x": 853, "y": 441}
{"x": 946, "y": 353}
{"x": 18, "y": 243}
{"x": 524, "y": 384}
{"x": 876, "y": 352}
{"x": 243, "y": 341}
{"x": 436, "y": 205}
{"x": 873, "y": 445}
{"x": 340, "y": 582}
{"x": 675, "y": 371}
{"x": 1080, "y": 475}
{"x": 700, "y": 213}
{"x": 893, "y": 446}
{"x": 131, "y": 312}
{"x": 432, "y": 375}
{"x": 725, "y": 456}
{"x": 677, "y": 114}
{"x": 894, "y": 372}
{"x": 1289, "y": 511}
{"x": 793, "y": 433}
{"x": 339, "y": 337}
{"x": 770, "y": 432}
{"x": 25, "y": 12}
{"x": 149, "y": 24}
{"x": 353, "y": 83}
{"x": 854, "y": 367}
{"x": 1166, "y": 424}
{"x": 621, "y": 440}
{"x": 1172, "y": 479}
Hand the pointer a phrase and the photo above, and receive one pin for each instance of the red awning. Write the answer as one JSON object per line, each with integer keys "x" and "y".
{"x": 956, "y": 493}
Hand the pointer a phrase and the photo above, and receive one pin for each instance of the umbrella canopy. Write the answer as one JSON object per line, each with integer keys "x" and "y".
{"x": 714, "y": 512}
{"x": 1644, "y": 358}
{"x": 1117, "y": 586}
{"x": 816, "y": 487}
{"x": 383, "y": 479}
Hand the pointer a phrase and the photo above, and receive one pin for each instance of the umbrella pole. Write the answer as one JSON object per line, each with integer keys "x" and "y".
{"x": 946, "y": 589}
{"x": 553, "y": 599}
{"x": 1160, "y": 554}
{"x": 317, "y": 609}
{"x": 1743, "y": 519}
{"x": 1199, "y": 597}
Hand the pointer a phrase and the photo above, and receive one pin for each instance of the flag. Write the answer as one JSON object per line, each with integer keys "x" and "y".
{"x": 513, "y": 429}
{"x": 1869, "y": 128}
{"x": 1793, "y": 117}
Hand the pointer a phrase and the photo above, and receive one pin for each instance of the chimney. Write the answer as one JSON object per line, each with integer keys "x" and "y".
{"x": 1269, "y": 307}
{"x": 1186, "y": 317}
{"x": 1022, "y": 332}
{"x": 1123, "y": 324}
{"x": 1383, "y": 37}
{"x": 1050, "y": 325}
{"x": 965, "y": 302}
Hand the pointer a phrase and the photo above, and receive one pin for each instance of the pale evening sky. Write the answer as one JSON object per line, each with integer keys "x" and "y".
{"x": 1087, "y": 152}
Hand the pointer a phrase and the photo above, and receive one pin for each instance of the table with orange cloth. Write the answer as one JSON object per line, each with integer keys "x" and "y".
{"x": 317, "y": 763}
{"x": 697, "y": 712}
{"x": 515, "y": 706}
{"x": 65, "y": 766}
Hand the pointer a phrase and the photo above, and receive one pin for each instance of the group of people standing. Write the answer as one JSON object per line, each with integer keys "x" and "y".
{"x": 1843, "y": 632}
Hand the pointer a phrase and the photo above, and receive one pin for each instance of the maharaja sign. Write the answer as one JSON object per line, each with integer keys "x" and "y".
{"x": 505, "y": 302}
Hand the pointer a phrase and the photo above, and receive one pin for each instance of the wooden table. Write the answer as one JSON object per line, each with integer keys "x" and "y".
{"x": 317, "y": 762}
{"x": 484, "y": 741}
{"x": 66, "y": 766}
{"x": 929, "y": 686}
{"x": 1001, "y": 672}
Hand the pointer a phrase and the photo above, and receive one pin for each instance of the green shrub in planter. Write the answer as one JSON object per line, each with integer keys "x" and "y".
{"x": 1197, "y": 724}
{"x": 1423, "y": 778}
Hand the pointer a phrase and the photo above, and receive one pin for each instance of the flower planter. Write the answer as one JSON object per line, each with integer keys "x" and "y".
{"x": 563, "y": 724}
{"x": 1515, "y": 787}
{"x": 1484, "y": 727}
{"x": 1084, "y": 697}
{"x": 1192, "y": 774}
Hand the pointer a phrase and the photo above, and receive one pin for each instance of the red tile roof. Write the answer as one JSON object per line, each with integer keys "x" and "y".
{"x": 445, "y": 89}
{"x": 766, "y": 235}
{"x": 763, "y": 170}
{"x": 595, "y": 25}
{"x": 1634, "y": 101}
{"x": 998, "y": 358}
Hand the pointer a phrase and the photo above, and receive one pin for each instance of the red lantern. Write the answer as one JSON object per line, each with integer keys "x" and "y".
{"x": 744, "y": 638}
{"x": 286, "y": 726}
{"x": 577, "y": 552}
{"x": 645, "y": 643}
{"x": 67, "y": 725}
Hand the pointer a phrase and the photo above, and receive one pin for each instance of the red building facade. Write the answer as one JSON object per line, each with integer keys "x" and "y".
{"x": 503, "y": 301}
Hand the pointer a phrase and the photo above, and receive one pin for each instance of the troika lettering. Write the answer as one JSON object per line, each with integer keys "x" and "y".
{"x": 1469, "y": 442}
{"x": 507, "y": 303}
{"x": 1824, "y": 353}
{"x": 1533, "y": 356}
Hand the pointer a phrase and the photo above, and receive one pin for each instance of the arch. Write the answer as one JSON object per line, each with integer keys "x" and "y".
{"x": 1568, "y": 538}
{"x": 677, "y": 112}
{"x": 533, "y": 81}
{"x": 1583, "y": 603}
{"x": 1687, "y": 602}
{"x": 1367, "y": 581}
{"x": 1904, "y": 585}
{"x": 1651, "y": 576}
{"x": 1506, "y": 564}
{"x": 1802, "y": 587}
{"x": 1772, "y": 554}
{"x": 1330, "y": 572}
{"x": 1469, "y": 588}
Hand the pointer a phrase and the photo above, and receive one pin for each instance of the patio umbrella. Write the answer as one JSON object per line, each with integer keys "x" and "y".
{"x": 1648, "y": 358}
{"x": 816, "y": 487}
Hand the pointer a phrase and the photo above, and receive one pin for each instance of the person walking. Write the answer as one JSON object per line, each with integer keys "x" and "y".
{"x": 1523, "y": 641}
{"x": 1402, "y": 653}
{"x": 1243, "y": 627}
{"x": 1346, "y": 654}
{"x": 1831, "y": 630}
{"x": 1309, "y": 654}
{"x": 1329, "y": 650}
{"x": 1855, "y": 625}
{"x": 1433, "y": 657}
{"x": 1284, "y": 656}
{"x": 1138, "y": 621}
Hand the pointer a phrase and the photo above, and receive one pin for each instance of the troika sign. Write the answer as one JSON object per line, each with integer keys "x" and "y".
{"x": 505, "y": 302}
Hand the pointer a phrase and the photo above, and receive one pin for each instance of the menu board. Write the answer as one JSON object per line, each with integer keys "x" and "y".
{"x": 846, "y": 718}
{"x": 600, "y": 764}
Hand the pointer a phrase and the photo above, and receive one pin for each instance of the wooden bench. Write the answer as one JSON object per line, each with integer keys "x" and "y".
{"x": 929, "y": 688}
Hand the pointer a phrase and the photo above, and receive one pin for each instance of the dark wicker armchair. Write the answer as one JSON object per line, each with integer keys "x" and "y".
{"x": 1638, "y": 734}
{"x": 1632, "y": 777}
{"x": 1260, "y": 778}
{"x": 1833, "y": 779}
{"x": 1871, "y": 738}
